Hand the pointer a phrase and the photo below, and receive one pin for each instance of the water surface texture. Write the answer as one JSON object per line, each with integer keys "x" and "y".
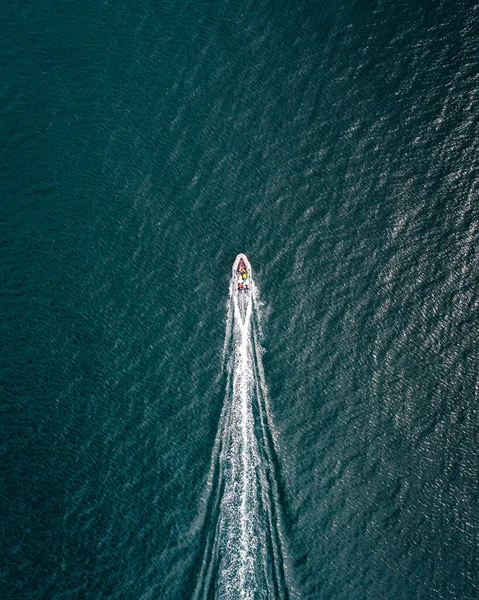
{"x": 143, "y": 146}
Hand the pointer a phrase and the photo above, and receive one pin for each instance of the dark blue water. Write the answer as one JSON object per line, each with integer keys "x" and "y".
{"x": 143, "y": 145}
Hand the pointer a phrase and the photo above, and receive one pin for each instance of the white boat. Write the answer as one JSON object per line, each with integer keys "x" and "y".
{"x": 242, "y": 275}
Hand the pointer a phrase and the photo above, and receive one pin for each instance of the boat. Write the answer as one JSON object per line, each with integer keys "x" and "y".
{"x": 242, "y": 276}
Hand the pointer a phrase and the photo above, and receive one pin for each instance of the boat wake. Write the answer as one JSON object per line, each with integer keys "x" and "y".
{"x": 244, "y": 549}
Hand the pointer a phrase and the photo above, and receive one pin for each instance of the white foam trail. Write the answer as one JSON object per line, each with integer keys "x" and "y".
{"x": 244, "y": 553}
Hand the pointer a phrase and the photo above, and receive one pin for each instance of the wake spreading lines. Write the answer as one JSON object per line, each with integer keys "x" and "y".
{"x": 244, "y": 548}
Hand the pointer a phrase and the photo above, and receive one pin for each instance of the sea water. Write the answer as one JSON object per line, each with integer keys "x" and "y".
{"x": 145, "y": 144}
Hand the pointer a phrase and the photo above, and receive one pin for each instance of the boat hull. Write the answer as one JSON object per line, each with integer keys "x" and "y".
{"x": 242, "y": 275}
{"x": 242, "y": 285}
